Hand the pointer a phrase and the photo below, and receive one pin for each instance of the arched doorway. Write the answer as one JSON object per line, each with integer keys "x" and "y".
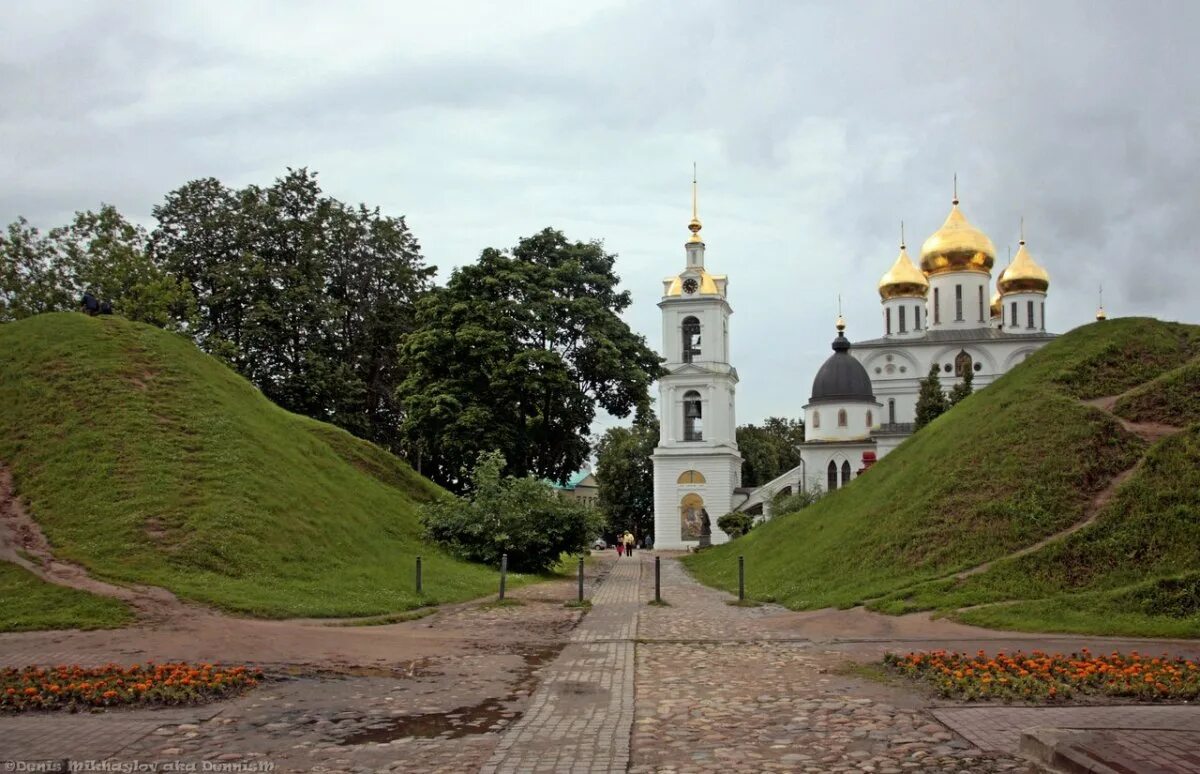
{"x": 691, "y": 516}
{"x": 831, "y": 474}
{"x": 845, "y": 473}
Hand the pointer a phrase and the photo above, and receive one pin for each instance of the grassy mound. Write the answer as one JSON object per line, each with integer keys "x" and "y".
{"x": 147, "y": 461}
{"x": 1018, "y": 462}
{"x": 29, "y": 603}
{"x": 1172, "y": 399}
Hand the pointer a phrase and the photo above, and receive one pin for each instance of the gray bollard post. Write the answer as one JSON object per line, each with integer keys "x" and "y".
{"x": 581, "y": 579}
{"x": 503, "y": 574}
{"x": 419, "y": 584}
{"x": 741, "y": 579}
{"x": 658, "y": 579}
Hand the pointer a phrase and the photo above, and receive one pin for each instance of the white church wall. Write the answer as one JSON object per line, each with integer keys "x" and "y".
{"x": 943, "y": 305}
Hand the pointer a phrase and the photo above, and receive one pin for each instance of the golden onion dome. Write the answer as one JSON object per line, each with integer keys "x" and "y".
{"x": 957, "y": 246}
{"x": 1023, "y": 274}
{"x": 903, "y": 279}
{"x": 996, "y": 309}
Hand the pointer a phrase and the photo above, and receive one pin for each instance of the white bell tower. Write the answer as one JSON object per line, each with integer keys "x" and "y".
{"x": 696, "y": 463}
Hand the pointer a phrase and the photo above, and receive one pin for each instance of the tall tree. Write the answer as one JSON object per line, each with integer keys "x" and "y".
{"x": 931, "y": 401}
{"x": 626, "y": 474}
{"x": 33, "y": 277}
{"x": 307, "y": 297}
{"x": 769, "y": 450}
{"x": 515, "y": 354}
{"x": 962, "y": 389}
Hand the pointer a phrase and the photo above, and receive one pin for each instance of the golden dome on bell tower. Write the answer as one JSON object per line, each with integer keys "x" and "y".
{"x": 903, "y": 279}
{"x": 957, "y": 246}
{"x": 1023, "y": 274}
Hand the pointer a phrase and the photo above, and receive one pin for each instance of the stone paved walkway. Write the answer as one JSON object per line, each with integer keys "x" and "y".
{"x": 581, "y": 714}
{"x": 698, "y": 685}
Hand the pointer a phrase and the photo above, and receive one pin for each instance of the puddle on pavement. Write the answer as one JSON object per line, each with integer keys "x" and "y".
{"x": 487, "y": 716}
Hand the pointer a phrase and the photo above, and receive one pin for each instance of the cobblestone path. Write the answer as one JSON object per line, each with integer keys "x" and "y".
{"x": 581, "y": 714}
{"x": 720, "y": 692}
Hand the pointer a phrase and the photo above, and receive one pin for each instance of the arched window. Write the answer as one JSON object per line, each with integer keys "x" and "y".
{"x": 816, "y": 420}
{"x": 845, "y": 473}
{"x": 937, "y": 306}
{"x": 981, "y": 303}
{"x": 903, "y": 327}
{"x": 916, "y": 317}
{"x": 870, "y": 419}
{"x": 691, "y": 339}
{"x": 843, "y": 420}
{"x": 693, "y": 424}
{"x": 887, "y": 315}
{"x": 691, "y": 517}
{"x": 831, "y": 477}
{"x": 892, "y": 411}
{"x": 691, "y": 477}
{"x": 962, "y": 363}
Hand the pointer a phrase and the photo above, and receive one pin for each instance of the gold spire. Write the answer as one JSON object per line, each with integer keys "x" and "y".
{"x": 694, "y": 225}
{"x": 903, "y": 279}
{"x": 957, "y": 245}
{"x": 1023, "y": 274}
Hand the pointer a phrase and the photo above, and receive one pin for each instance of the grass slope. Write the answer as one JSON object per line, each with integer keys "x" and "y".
{"x": 147, "y": 461}
{"x": 28, "y": 603}
{"x": 1173, "y": 398}
{"x": 1007, "y": 467}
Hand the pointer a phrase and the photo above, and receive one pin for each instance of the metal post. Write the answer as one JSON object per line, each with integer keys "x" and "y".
{"x": 741, "y": 579}
{"x": 503, "y": 574}
{"x": 658, "y": 579}
{"x": 419, "y": 585}
{"x": 581, "y": 579}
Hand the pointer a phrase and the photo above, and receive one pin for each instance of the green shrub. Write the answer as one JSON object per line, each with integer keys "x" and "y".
{"x": 521, "y": 517}
{"x": 792, "y": 502}
{"x": 735, "y": 524}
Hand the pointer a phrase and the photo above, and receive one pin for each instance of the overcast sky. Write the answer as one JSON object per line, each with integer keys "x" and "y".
{"x": 817, "y": 128}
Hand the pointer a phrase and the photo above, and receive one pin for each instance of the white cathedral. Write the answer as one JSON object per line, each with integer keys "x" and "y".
{"x": 863, "y": 400}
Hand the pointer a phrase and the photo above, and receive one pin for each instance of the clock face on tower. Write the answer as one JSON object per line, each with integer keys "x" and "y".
{"x": 690, "y": 285}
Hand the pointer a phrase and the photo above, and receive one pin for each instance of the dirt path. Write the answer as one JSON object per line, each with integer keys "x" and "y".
{"x": 1150, "y": 432}
{"x": 23, "y": 543}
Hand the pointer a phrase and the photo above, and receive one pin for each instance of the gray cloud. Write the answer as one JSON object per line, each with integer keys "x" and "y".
{"x": 817, "y": 128}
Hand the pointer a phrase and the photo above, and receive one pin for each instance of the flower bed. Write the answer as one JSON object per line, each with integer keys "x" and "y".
{"x": 75, "y": 687}
{"x": 1039, "y": 676}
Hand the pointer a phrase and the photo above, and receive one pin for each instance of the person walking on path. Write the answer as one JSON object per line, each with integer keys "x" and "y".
{"x": 620, "y": 546}
{"x": 629, "y": 541}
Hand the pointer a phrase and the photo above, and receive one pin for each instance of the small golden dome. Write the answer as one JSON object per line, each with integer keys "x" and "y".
{"x": 1101, "y": 314}
{"x": 1023, "y": 274}
{"x": 706, "y": 284}
{"x": 957, "y": 246}
{"x": 903, "y": 279}
{"x": 996, "y": 309}
{"x": 694, "y": 227}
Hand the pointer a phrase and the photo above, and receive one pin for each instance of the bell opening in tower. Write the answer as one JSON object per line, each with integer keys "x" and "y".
{"x": 693, "y": 422}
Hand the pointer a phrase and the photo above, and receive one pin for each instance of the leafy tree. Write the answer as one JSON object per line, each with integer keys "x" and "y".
{"x": 518, "y": 516}
{"x": 515, "y": 354}
{"x": 931, "y": 401}
{"x": 626, "y": 475}
{"x": 108, "y": 256}
{"x": 33, "y": 278}
{"x": 307, "y": 297}
{"x": 769, "y": 450}
{"x": 962, "y": 389}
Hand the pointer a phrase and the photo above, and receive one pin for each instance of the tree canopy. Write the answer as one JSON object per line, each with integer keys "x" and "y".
{"x": 515, "y": 354}
{"x": 931, "y": 401}
{"x": 769, "y": 450}
{"x": 626, "y": 475}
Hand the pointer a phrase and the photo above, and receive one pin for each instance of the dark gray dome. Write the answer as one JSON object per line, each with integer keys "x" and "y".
{"x": 842, "y": 377}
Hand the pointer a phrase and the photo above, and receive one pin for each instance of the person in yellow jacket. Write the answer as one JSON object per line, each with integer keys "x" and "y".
{"x": 629, "y": 542}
